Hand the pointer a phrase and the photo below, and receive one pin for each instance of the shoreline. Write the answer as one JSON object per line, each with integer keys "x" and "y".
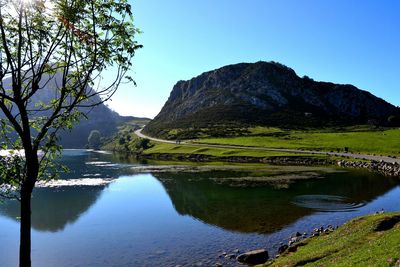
{"x": 386, "y": 165}
{"x": 385, "y": 168}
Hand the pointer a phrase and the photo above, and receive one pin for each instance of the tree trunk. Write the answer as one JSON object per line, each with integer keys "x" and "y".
{"x": 25, "y": 230}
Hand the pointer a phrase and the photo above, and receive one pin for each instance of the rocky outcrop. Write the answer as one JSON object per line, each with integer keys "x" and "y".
{"x": 265, "y": 93}
{"x": 254, "y": 257}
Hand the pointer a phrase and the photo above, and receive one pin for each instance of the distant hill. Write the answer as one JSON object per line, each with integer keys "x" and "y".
{"x": 268, "y": 94}
{"x": 100, "y": 117}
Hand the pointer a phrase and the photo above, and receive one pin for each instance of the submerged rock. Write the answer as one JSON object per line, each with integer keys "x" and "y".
{"x": 230, "y": 256}
{"x": 253, "y": 257}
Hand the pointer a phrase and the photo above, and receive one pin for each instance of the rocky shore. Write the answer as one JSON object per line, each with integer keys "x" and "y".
{"x": 294, "y": 242}
{"x": 261, "y": 255}
{"x": 386, "y": 168}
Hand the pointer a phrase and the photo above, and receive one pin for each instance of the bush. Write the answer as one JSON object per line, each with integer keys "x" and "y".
{"x": 142, "y": 144}
{"x": 121, "y": 140}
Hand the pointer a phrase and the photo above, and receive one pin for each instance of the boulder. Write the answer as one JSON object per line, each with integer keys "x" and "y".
{"x": 253, "y": 257}
{"x": 282, "y": 249}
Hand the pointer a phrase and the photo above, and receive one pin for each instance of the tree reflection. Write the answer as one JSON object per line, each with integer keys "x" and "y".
{"x": 53, "y": 209}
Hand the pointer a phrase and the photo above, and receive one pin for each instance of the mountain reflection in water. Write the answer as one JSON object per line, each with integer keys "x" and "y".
{"x": 265, "y": 209}
{"x": 53, "y": 209}
{"x": 255, "y": 209}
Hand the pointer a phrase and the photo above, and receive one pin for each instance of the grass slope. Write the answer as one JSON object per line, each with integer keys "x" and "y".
{"x": 162, "y": 148}
{"x": 380, "y": 142}
{"x": 366, "y": 241}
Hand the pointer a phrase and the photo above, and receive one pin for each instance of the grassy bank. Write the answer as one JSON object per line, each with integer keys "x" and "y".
{"x": 367, "y": 241}
{"x": 357, "y": 139}
{"x": 162, "y": 148}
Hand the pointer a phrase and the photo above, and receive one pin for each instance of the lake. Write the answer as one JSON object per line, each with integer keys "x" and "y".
{"x": 184, "y": 217}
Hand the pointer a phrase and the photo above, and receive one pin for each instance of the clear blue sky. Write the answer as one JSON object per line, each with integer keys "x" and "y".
{"x": 342, "y": 41}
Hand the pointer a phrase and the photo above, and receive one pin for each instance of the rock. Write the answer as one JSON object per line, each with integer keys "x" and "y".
{"x": 327, "y": 231}
{"x": 253, "y": 257}
{"x": 230, "y": 256}
{"x": 282, "y": 249}
{"x": 298, "y": 234}
{"x": 315, "y": 234}
{"x": 223, "y": 254}
{"x": 218, "y": 264}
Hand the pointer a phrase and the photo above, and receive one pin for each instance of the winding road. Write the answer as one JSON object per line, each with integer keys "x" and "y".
{"x": 338, "y": 154}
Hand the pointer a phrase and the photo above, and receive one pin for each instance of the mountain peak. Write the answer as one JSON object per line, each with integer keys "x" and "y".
{"x": 265, "y": 93}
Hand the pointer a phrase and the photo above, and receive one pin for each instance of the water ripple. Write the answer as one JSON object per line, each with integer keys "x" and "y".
{"x": 327, "y": 203}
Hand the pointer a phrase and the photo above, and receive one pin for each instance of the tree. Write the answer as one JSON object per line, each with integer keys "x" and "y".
{"x": 64, "y": 46}
{"x": 121, "y": 140}
{"x": 142, "y": 143}
{"x": 94, "y": 139}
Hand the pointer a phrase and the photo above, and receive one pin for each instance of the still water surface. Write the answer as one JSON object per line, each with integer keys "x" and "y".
{"x": 166, "y": 219}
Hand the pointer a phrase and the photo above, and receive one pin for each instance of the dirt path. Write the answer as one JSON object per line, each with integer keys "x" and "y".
{"x": 352, "y": 155}
{"x": 141, "y": 135}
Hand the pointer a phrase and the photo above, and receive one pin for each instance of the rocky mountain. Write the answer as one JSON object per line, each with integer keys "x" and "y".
{"x": 100, "y": 117}
{"x": 265, "y": 93}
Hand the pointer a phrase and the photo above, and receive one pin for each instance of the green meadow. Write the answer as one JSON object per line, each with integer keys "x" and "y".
{"x": 357, "y": 140}
{"x": 163, "y": 148}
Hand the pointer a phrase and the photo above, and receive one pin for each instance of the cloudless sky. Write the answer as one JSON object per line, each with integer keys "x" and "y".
{"x": 341, "y": 41}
